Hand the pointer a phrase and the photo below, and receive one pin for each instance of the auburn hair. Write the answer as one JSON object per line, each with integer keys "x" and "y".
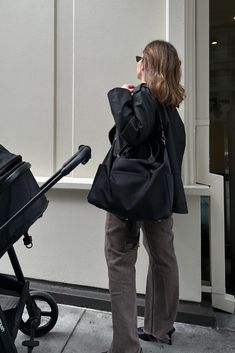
{"x": 162, "y": 69}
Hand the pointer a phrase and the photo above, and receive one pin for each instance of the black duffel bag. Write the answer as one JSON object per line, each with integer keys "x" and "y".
{"x": 134, "y": 189}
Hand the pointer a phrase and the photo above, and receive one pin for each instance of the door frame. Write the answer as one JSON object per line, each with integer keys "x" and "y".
{"x": 188, "y": 29}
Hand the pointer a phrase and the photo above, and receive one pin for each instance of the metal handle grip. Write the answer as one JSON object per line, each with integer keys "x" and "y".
{"x": 82, "y": 156}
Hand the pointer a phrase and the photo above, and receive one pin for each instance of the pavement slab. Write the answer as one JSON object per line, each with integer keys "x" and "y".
{"x": 93, "y": 334}
{"x": 56, "y": 340}
{"x": 196, "y": 339}
{"x": 81, "y": 330}
{"x": 225, "y": 321}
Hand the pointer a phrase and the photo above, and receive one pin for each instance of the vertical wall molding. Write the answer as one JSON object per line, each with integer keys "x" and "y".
{"x": 64, "y": 80}
{"x": 55, "y": 87}
{"x": 167, "y": 19}
{"x": 181, "y": 17}
{"x": 190, "y": 86}
{"x": 73, "y": 76}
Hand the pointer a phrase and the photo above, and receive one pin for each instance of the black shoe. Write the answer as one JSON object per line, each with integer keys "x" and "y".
{"x": 146, "y": 337}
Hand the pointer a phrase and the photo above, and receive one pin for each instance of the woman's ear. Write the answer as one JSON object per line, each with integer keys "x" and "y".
{"x": 142, "y": 65}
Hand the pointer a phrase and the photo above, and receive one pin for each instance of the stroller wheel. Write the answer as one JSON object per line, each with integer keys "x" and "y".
{"x": 42, "y": 308}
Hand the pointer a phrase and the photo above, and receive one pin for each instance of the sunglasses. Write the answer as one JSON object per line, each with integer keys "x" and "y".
{"x": 138, "y": 58}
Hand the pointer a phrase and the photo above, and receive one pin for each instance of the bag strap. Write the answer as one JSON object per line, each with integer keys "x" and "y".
{"x": 125, "y": 147}
{"x": 163, "y": 136}
{"x": 160, "y": 114}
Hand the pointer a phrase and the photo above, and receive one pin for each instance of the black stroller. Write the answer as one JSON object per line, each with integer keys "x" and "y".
{"x": 22, "y": 202}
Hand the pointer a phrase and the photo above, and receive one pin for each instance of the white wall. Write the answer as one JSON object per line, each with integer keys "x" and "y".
{"x": 108, "y": 35}
{"x": 58, "y": 61}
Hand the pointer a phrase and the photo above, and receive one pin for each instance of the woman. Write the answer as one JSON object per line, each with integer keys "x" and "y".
{"x": 137, "y": 123}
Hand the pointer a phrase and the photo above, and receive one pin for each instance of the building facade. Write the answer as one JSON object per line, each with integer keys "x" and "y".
{"x": 58, "y": 61}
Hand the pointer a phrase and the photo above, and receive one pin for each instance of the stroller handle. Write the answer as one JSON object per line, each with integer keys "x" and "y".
{"x": 82, "y": 156}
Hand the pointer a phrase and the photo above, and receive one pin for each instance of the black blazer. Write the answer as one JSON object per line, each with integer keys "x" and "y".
{"x": 136, "y": 119}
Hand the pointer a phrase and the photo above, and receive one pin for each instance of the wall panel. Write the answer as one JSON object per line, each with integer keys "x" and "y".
{"x": 27, "y": 80}
{"x": 108, "y": 35}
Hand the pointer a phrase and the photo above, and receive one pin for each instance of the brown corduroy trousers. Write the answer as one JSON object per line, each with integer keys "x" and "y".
{"x": 162, "y": 290}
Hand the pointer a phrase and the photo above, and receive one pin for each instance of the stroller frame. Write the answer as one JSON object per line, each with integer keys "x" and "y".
{"x": 18, "y": 285}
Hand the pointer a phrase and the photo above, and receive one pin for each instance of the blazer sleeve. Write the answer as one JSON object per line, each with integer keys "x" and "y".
{"x": 134, "y": 114}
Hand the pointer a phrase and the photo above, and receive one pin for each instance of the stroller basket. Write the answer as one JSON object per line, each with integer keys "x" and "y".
{"x": 22, "y": 202}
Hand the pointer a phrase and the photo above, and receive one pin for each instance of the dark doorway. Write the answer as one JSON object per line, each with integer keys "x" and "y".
{"x": 222, "y": 117}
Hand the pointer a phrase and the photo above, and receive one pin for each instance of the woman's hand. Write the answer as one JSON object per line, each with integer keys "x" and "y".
{"x": 129, "y": 86}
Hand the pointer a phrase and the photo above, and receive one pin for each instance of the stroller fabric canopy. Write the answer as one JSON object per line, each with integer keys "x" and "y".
{"x": 17, "y": 187}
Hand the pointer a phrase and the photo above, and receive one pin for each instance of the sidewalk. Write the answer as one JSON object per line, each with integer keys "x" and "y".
{"x": 81, "y": 330}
